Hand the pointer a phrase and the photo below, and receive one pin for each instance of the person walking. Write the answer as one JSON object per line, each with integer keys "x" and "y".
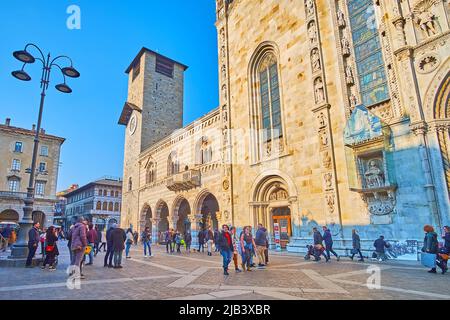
{"x": 109, "y": 248}
{"x": 380, "y": 244}
{"x": 51, "y": 249}
{"x": 201, "y": 240}
{"x": 33, "y": 242}
{"x": 78, "y": 247}
{"x": 430, "y": 243}
{"x": 177, "y": 241}
{"x": 444, "y": 252}
{"x": 225, "y": 245}
{"x": 128, "y": 243}
{"x": 69, "y": 242}
{"x": 247, "y": 244}
{"x": 261, "y": 243}
{"x": 42, "y": 235}
{"x": 168, "y": 239}
{"x": 236, "y": 247}
{"x": 118, "y": 238}
{"x": 146, "y": 238}
{"x": 328, "y": 239}
{"x": 135, "y": 238}
{"x": 188, "y": 241}
{"x": 102, "y": 241}
{"x": 318, "y": 245}
{"x": 92, "y": 238}
{"x": 216, "y": 240}
{"x": 98, "y": 240}
{"x": 210, "y": 241}
{"x": 356, "y": 246}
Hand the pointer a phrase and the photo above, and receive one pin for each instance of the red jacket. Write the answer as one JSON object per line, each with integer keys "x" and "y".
{"x": 92, "y": 236}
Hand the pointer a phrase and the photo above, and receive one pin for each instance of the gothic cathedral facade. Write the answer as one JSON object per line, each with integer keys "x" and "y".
{"x": 332, "y": 112}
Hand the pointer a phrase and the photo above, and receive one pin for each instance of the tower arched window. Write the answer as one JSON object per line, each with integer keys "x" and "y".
{"x": 203, "y": 151}
{"x": 98, "y": 206}
{"x": 110, "y": 206}
{"x": 105, "y": 206}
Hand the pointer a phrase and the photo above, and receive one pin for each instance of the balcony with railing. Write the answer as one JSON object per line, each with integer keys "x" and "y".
{"x": 184, "y": 180}
{"x": 13, "y": 195}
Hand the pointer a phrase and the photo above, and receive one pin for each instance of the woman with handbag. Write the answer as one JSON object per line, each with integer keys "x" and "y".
{"x": 51, "y": 249}
{"x": 430, "y": 245}
{"x": 128, "y": 243}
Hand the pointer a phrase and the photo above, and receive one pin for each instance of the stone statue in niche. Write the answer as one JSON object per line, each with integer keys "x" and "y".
{"x": 224, "y": 92}
{"x": 326, "y": 160}
{"x": 315, "y": 59}
{"x": 327, "y": 178}
{"x": 224, "y": 73}
{"x": 330, "y": 202}
{"x": 345, "y": 46}
{"x": 323, "y": 138}
{"x": 349, "y": 75}
{"x": 341, "y": 18}
{"x": 374, "y": 176}
{"x": 319, "y": 90}
{"x": 312, "y": 33}
{"x": 425, "y": 20}
{"x": 268, "y": 149}
{"x": 310, "y": 7}
{"x": 321, "y": 118}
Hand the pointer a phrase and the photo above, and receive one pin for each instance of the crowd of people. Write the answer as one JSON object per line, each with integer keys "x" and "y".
{"x": 86, "y": 240}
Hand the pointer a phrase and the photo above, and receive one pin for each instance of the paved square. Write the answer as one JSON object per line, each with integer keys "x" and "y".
{"x": 199, "y": 277}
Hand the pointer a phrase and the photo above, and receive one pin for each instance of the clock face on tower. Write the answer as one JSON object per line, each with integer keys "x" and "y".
{"x": 133, "y": 124}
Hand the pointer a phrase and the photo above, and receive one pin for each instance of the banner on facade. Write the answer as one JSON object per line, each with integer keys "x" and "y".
{"x": 276, "y": 229}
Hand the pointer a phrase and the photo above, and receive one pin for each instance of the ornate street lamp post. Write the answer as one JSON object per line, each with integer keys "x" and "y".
{"x": 20, "y": 249}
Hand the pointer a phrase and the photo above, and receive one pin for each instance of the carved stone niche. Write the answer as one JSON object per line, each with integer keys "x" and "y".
{"x": 369, "y": 164}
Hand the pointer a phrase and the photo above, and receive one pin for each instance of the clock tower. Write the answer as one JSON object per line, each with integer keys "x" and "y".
{"x": 154, "y": 109}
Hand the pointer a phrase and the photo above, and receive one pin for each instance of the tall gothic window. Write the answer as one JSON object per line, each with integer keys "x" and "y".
{"x": 368, "y": 53}
{"x": 270, "y": 99}
{"x": 151, "y": 173}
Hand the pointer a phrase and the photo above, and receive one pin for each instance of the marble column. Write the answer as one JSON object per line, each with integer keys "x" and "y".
{"x": 155, "y": 230}
{"x": 195, "y": 221}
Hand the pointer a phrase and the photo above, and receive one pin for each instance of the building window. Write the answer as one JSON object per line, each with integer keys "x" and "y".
{"x": 111, "y": 207}
{"x": 44, "y": 151}
{"x": 112, "y": 193}
{"x": 98, "y": 206}
{"x": 203, "y": 151}
{"x": 15, "y": 165}
{"x": 136, "y": 69}
{"x": 270, "y": 99}
{"x": 130, "y": 184}
{"x": 105, "y": 193}
{"x": 368, "y": 53}
{"x": 173, "y": 165}
{"x": 116, "y": 207}
{"x": 105, "y": 206}
{"x": 42, "y": 167}
{"x": 151, "y": 173}
{"x": 40, "y": 188}
{"x": 18, "y": 147}
{"x": 117, "y": 194}
{"x": 13, "y": 185}
{"x": 164, "y": 66}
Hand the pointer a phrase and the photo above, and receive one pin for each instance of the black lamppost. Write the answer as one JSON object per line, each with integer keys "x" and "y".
{"x": 20, "y": 249}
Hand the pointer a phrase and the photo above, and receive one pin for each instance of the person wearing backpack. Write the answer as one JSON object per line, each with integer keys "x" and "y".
{"x": 51, "y": 249}
{"x": 128, "y": 242}
{"x": 201, "y": 240}
{"x": 430, "y": 243}
{"x": 177, "y": 241}
{"x": 188, "y": 241}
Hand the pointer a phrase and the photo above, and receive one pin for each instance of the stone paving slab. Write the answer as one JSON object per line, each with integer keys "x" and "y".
{"x": 197, "y": 276}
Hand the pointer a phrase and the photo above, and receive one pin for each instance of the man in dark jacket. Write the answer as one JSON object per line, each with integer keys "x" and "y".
{"x": 318, "y": 245}
{"x": 6, "y": 234}
{"x": 328, "y": 239}
{"x": 356, "y": 244}
{"x": 201, "y": 241}
{"x": 98, "y": 240}
{"x": 78, "y": 245}
{"x": 118, "y": 238}
{"x": 109, "y": 248}
{"x": 261, "y": 244}
{"x": 92, "y": 239}
{"x": 188, "y": 241}
{"x": 380, "y": 245}
{"x": 33, "y": 242}
{"x": 446, "y": 238}
{"x": 216, "y": 239}
{"x": 225, "y": 245}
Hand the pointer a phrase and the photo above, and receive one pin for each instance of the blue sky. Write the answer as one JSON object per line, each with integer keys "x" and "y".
{"x": 112, "y": 33}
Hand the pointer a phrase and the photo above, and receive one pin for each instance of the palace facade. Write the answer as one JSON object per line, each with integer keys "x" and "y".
{"x": 331, "y": 113}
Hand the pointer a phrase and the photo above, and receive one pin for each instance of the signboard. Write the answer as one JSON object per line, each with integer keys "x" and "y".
{"x": 276, "y": 230}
